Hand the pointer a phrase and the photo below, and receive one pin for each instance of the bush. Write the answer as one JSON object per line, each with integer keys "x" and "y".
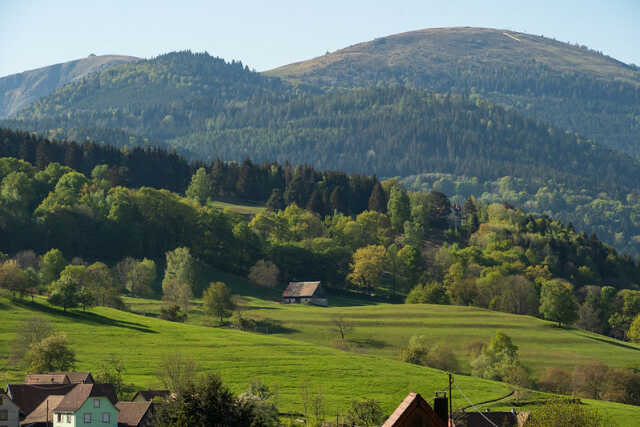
{"x": 566, "y": 414}
{"x": 365, "y": 412}
{"x": 439, "y": 356}
{"x": 238, "y": 321}
{"x": 555, "y": 380}
{"x": 430, "y": 293}
{"x": 172, "y": 314}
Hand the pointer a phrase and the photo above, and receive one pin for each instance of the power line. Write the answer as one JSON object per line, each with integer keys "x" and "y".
{"x": 474, "y": 406}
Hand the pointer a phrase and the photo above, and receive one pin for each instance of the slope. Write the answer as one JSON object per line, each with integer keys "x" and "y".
{"x": 19, "y": 90}
{"x": 150, "y": 100}
{"x": 569, "y": 86}
{"x": 385, "y": 329}
{"x": 142, "y": 342}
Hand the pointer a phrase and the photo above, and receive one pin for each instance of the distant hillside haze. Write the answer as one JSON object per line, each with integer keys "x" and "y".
{"x": 568, "y": 86}
{"x": 19, "y": 90}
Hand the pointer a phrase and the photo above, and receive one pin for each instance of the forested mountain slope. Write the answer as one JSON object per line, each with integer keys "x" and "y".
{"x": 569, "y": 86}
{"x": 150, "y": 100}
{"x": 205, "y": 108}
{"x": 19, "y": 90}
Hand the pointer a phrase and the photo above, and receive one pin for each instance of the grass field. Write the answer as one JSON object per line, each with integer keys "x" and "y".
{"x": 242, "y": 209}
{"x": 282, "y": 363}
{"x": 383, "y": 329}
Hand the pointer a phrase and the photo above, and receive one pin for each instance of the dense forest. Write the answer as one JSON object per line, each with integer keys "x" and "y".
{"x": 205, "y": 108}
{"x": 568, "y": 86}
{"x": 396, "y": 243}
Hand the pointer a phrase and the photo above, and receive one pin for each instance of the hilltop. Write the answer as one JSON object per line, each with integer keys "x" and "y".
{"x": 569, "y": 86}
{"x": 19, "y": 90}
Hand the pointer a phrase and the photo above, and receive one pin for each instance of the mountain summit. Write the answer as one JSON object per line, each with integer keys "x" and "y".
{"x": 569, "y": 86}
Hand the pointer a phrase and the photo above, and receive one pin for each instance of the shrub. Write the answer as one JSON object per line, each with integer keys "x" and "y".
{"x": 172, "y": 313}
{"x": 555, "y": 380}
{"x": 365, "y": 412}
{"x": 566, "y": 414}
{"x": 238, "y": 321}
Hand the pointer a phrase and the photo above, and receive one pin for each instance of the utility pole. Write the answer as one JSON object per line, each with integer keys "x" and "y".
{"x": 450, "y": 401}
{"x": 47, "y": 416}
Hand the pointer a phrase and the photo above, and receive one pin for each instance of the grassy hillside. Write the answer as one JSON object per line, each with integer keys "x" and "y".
{"x": 566, "y": 85}
{"x": 19, "y": 90}
{"x": 282, "y": 363}
{"x": 383, "y": 329}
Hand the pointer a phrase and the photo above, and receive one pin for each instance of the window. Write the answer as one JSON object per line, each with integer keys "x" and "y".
{"x": 96, "y": 403}
{"x": 68, "y": 418}
{"x": 59, "y": 418}
{"x": 106, "y": 417}
{"x": 4, "y": 415}
{"x": 87, "y": 418}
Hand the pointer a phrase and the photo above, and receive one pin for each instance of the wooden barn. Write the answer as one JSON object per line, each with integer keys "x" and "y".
{"x": 305, "y": 293}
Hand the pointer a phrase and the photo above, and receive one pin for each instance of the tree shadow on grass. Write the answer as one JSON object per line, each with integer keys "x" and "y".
{"x": 3, "y": 306}
{"x": 272, "y": 326}
{"x": 611, "y": 342}
{"x": 368, "y": 343}
{"x": 85, "y": 317}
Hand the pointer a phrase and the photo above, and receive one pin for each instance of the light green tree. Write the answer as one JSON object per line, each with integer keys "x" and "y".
{"x": 399, "y": 208}
{"x": 51, "y": 266}
{"x": 218, "y": 300}
{"x": 557, "y": 302}
{"x": 201, "y": 186}
{"x": 634, "y": 330}
{"x": 181, "y": 268}
{"x": 53, "y": 354}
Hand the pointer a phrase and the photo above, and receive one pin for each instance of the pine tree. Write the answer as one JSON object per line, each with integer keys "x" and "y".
{"x": 276, "y": 201}
{"x": 378, "y": 200}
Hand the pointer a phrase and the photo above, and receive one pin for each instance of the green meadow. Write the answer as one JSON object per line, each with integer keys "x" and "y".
{"x": 384, "y": 329}
{"x": 285, "y": 363}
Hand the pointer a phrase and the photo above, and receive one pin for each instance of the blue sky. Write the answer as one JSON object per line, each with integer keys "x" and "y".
{"x": 266, "y": 34}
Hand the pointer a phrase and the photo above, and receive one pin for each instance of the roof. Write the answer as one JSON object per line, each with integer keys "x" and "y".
{"x": 502, "y": 419}
{"x": 413, "y": 405}
{"x": 76, "y": 377}
{"x": 4, "y": 398}
{"x": 150, "y": 394}
{"x": 39, "y": 415}
{"x": 47, "y": 379}
{"x": 81, "y": 392}
{"x": 132, "y": 413}
{"x": 29, "y": 396}
{"x": 301, "y": 289}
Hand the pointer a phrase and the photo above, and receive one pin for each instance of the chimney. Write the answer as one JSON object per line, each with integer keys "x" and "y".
{"x": 441, "y": 406}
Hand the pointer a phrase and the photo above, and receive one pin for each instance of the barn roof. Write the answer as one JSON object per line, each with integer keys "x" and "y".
{"x": 300, "y": 289}
{"x": 132, "y": 413}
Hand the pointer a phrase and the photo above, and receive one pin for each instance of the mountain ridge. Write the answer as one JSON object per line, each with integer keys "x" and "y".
{"x": 568, "y": 86}
{"x": 21, "y": 89}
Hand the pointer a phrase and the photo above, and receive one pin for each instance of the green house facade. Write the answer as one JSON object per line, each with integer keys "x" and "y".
{"x": 87, "y": 405}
